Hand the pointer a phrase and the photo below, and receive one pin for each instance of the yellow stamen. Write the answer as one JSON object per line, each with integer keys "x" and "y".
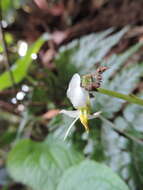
{"x": 84, "y": 118}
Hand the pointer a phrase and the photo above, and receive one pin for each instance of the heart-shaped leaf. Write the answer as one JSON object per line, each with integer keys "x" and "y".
{"x": 40, "y": 165}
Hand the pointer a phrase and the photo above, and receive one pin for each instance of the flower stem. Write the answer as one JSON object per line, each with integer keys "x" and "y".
{"x": 129, "y": 98}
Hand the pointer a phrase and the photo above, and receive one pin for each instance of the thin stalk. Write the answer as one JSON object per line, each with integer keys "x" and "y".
{"x": 70, "y": 127}
{"x": 128, "y": 98}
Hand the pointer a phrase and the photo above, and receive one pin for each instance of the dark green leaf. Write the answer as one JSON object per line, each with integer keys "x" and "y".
{"x": 7, "y": 138}
{"x": 137, "y": 158}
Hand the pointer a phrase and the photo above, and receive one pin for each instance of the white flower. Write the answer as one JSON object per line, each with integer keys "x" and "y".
{"x": 80, "y": 99}
{"x": 77, "y": 95}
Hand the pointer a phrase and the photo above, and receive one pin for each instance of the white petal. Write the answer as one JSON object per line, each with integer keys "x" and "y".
{"x": 77, "y": 95}
{"x": 75, "y": 81}
{"x": 95, "y": 115}
{"x": 72, "y": 114}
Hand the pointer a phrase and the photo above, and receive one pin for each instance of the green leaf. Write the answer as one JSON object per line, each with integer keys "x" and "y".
{"x": 134, "y": 116}
{"x": 40, "y": 165}
{"x": 20, "y": 68}
{"x": 114, "y": 146}
{"x": 89, "y": 50}
{"x": 91, "y": 175}
{"x": 124, "y": 81}
{"x": 137, "y": 159}
{"x": 126, "y": 163}
{"x": 116, "y": 62}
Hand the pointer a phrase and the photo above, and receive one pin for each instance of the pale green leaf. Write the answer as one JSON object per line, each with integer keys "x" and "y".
{"x": 134, "y": 116}
{"x": 123, "y": 82}
{"x": 91, "y": 175}
{"x": 89, "y": 50}
{"x": 40, "y": 165}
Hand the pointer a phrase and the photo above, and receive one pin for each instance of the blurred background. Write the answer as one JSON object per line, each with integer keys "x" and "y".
{"x": 42, "y": 44}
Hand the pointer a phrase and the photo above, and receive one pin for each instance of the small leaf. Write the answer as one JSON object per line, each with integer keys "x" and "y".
{"x": 40, "y": 165}
{"x": 91, "y": 175}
